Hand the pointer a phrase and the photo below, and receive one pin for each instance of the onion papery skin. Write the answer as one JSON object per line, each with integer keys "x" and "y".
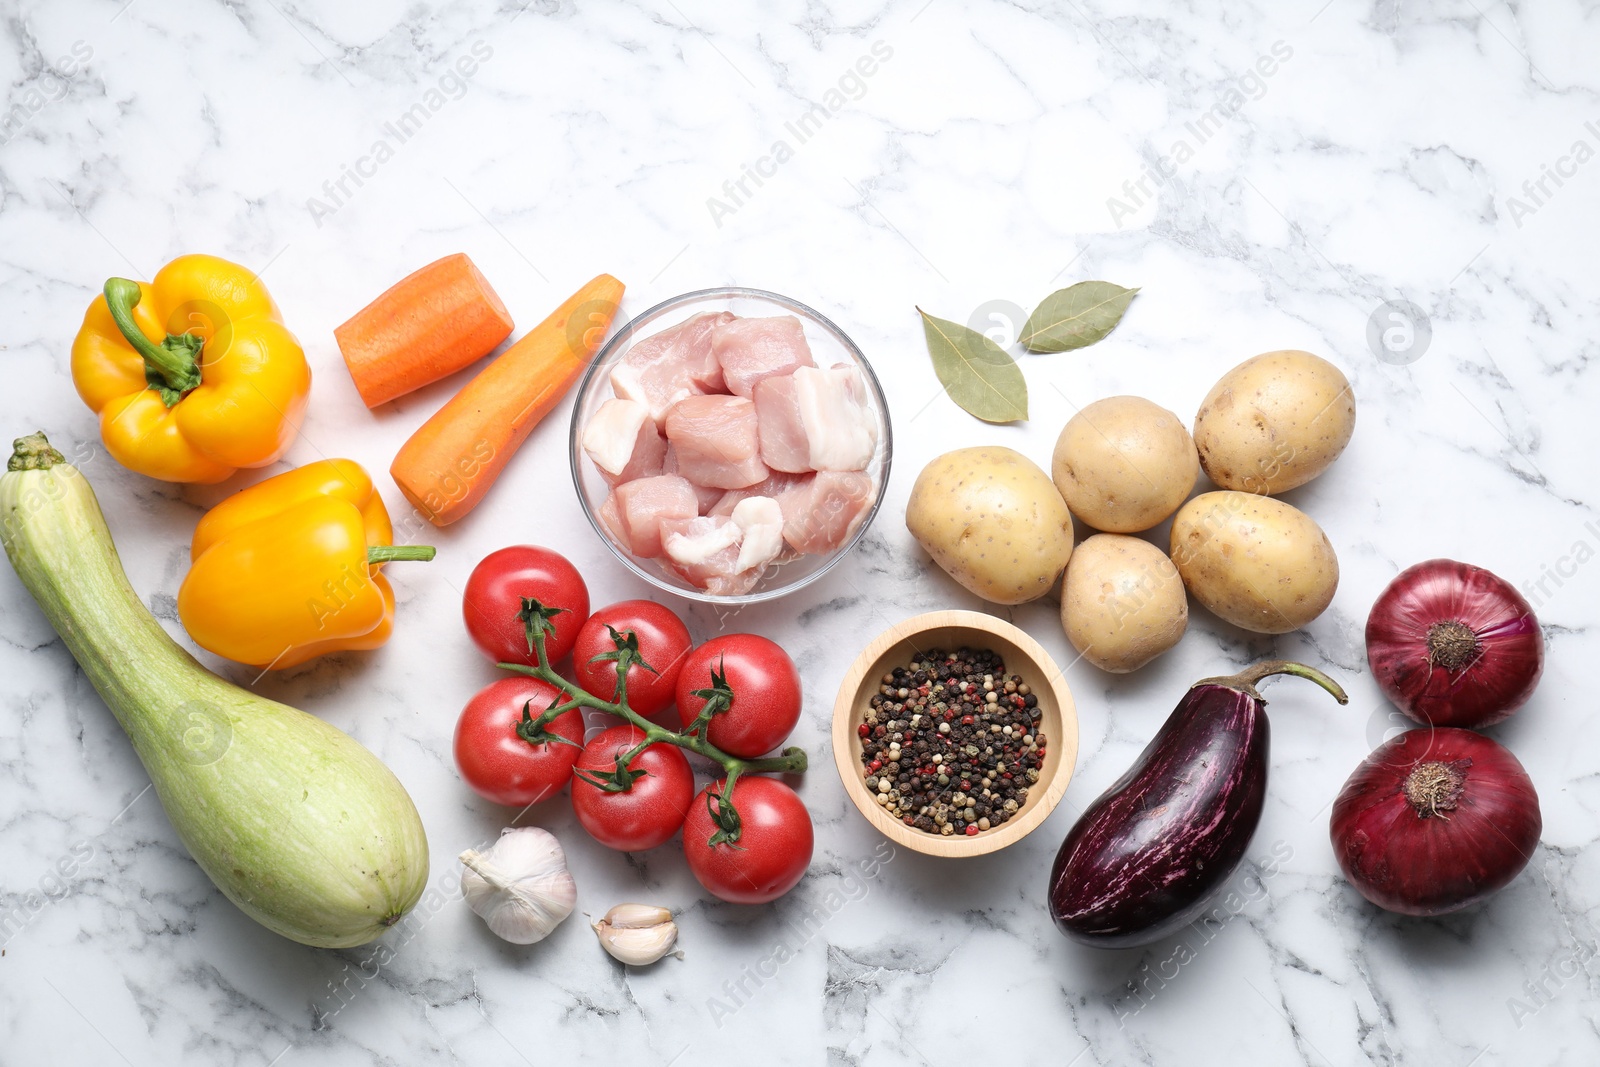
{"x": 1497, "y": 681}
{"x": 1418, "y": 864}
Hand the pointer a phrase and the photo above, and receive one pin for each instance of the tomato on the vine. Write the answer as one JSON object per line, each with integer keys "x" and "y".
{"x": 497, "y": 762}
{"x": 493, "y": 610}
{"x": 763, "y": 689}
{"x": 650, "y": 810}
{"x": 773, "y": 847}
{"x": 663, "y": 642}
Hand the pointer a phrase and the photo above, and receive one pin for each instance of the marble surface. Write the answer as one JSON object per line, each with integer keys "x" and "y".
{"x": 1271, "y": 175}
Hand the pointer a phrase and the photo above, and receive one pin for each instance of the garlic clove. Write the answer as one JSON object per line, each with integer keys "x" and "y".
{"x": 637, "y": 934}
{"x": 630, "y": 916}
{"x": 520, "y": 886}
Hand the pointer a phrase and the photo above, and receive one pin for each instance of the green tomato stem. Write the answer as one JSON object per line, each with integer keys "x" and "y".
{"x": 791, "y": 760}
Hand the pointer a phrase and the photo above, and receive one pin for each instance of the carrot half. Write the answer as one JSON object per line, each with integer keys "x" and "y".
{"x": 429, "y": 324}
{"x": 452, "y": 460}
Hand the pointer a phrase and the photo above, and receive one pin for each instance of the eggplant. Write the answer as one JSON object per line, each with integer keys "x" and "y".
{"x": 1147, "y": 857}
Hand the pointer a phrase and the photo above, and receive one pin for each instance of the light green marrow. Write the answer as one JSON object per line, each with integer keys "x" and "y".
{"x": 298, "y": 824}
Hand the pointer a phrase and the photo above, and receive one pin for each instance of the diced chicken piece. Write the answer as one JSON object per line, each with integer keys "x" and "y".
{"x": 760, "y": 519}
{"x": 823, "y": 511}
{"x": 699, "y": 541}
{"x": 837, "y": 419}
{"x": 749, "y": 350}
{"x": 611, "y": 519}
{"x": 705, "y": 552}
{"x": 716, "y": 442}
{"x": 665, "y": 367}
{"x": 784, "y": 444}
{"x": 775, "y": 485}
{"x": 635, "y": 511}
{"x": 624, "y": 442}
{"x": 705, "y": 495}
{"x": 816, "y": 419}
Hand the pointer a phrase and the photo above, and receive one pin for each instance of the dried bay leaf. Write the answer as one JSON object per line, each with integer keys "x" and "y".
{"x": 976, "y": 372}
{"x": 1075, "y": 317}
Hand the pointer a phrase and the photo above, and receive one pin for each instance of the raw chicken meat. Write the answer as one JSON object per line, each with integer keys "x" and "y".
{"x": 729, "y": 450}
{"x": 635, "y": 511}
{"x": 760, "y": 519}
{"x": 665, "y": 367}
{"x": 624, "y": 442}
{"x": 749, "y": 350}
{"x": 784, "y": 444}
{"x": 816, "y": 419}
{"x": 822, "y": 512}
{"x": 705, "y": 495}
{"x": 715, "y": 441}
{"x": 699, "y": 542}
{"x": 705, "y": 552}
{"x": 775, "y": 485}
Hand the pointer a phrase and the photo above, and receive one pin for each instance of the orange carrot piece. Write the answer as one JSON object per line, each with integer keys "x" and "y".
{"x": 452, "y": 460}
{"x": 429, "y": 324}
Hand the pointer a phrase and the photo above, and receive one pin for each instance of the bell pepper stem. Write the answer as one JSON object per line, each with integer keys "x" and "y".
{"x": 390, "y": 553}
{"x": 173, "y": 366}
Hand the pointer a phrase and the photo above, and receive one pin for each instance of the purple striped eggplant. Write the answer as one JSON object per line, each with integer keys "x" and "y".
{"x": 1146, "y": 858}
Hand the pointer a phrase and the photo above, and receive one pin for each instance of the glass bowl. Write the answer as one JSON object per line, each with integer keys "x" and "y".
{"x": 829, "y": 346}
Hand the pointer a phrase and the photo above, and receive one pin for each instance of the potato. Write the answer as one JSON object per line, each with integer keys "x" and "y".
{"x": 1274, "y": 422}
{"x": 1124, "y": 464}
{"x": 990, "y": 517}
{"x": 1123, "y": 603}
{"x": 1254, "y": 561}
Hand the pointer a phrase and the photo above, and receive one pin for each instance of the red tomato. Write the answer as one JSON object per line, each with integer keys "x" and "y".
{"x": 774, "y": 846}
{"x": 497, "y": 762}
{"x": 493, "y": 602}
{"x": 766, "y": 693}
{"x": 663, "y": 642}
{"x": 644, "y": 815}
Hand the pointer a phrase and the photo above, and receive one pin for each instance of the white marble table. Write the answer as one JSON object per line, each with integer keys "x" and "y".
{"x": 1270, "y": 174}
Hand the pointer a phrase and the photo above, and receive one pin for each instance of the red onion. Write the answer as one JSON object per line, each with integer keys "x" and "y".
{"x": 1435, "y": 820}
{"x": 1453, "y": 645}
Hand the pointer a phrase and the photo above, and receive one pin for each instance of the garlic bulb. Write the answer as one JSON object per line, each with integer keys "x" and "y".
{"x": 637, "y": 934}
{"x": 520, "y": 886}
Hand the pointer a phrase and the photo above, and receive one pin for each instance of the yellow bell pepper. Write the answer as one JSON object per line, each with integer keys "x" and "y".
{"x": 287, "y": 570}
{"x": 193, "y": 375}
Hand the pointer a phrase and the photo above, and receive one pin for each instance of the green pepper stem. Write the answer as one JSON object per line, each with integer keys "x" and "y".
{"x": 1248, "y": 678}
{"x": 390, "y": 553}
{"x": 175, "y": 361}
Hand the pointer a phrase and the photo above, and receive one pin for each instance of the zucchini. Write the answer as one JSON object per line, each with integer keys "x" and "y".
{"x": 297, "y": 823}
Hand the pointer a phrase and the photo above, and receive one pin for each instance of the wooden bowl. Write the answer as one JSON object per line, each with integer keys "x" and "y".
{"x": 950, "y": 630}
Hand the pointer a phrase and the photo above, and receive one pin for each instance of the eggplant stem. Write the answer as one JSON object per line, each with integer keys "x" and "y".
{"x": 1247, "y": 679}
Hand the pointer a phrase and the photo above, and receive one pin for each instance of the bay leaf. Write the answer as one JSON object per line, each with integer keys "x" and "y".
{"x": 977, "y": 373}
{"x": 1075, "y": 317}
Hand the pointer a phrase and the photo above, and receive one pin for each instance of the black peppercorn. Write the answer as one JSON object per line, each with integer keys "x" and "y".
{"x": 944, "y": 767}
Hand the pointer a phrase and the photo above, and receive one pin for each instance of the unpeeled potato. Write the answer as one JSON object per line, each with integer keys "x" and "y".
{"x": 1256, "y": 562}
{"x": 1274, "y": 422}
{"x": 994, "y": 521}
{"x": 1124, "y": 464}
{"x": 1123, "y": 603}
